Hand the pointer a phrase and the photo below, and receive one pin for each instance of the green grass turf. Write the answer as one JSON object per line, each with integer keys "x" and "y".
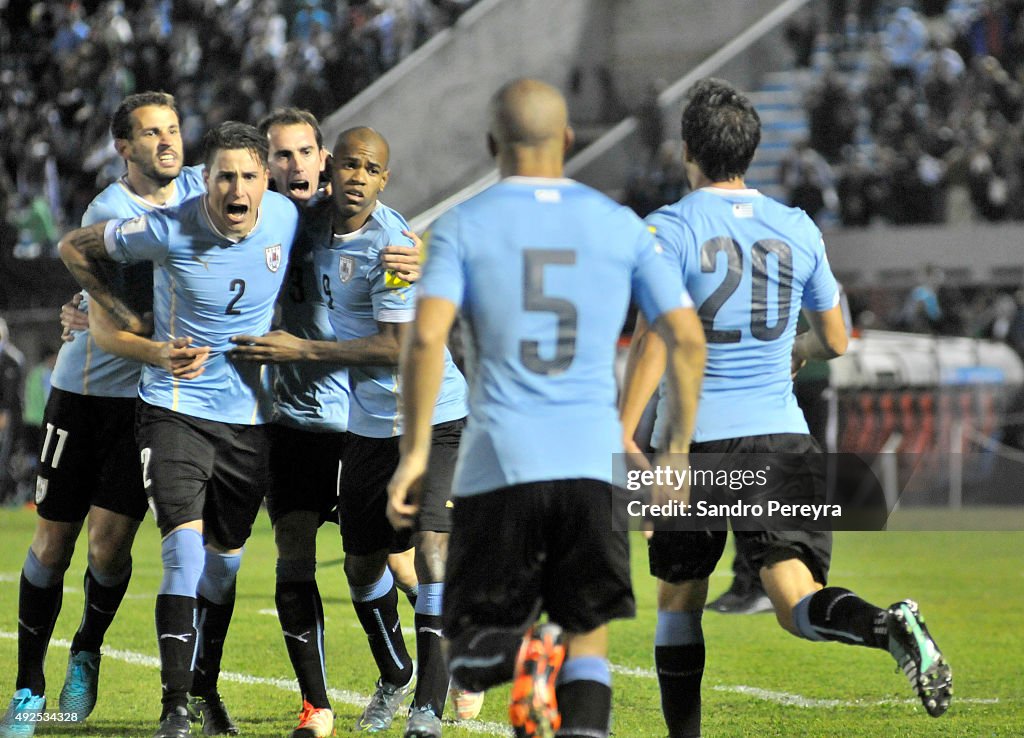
{"x": 759, "y": 681}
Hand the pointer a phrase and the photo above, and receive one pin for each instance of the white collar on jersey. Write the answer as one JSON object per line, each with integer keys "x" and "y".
{"x": 725, "y": 191}
{"x": 362, "y": 229}
{"x": 216, "y": 230}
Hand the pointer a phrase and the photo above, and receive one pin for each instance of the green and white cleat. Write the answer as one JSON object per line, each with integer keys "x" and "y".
{"x": 915, "y": 651}
{"x": 81, "y": 683}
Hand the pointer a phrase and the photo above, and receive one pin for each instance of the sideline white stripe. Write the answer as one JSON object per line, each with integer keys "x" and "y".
{"x": 792, "y": 700}
{"x": 353, "y": 699}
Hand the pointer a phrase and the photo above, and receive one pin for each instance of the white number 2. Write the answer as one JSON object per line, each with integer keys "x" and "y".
{"x": 145, "y": 454}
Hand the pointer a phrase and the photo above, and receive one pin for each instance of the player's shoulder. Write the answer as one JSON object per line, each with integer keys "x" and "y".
{"x": 385, "y": 227}
{"x": 190, "y": 181}
{"x": 280, "y": 209}
{"x": 793, "y": 221}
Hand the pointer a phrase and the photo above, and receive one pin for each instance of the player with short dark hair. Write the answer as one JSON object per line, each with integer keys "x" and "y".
{"x": 203, "y": 443}
{"x": 310, "y": 420}
{"x": 88, "y": 458}
{"x": 369, "y": 309}
{"x": 533, "y": 519}
{"x": 751, "y": 264}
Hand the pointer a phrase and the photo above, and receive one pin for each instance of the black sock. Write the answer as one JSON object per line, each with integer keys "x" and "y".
{"x": 301, "y": 613}
{"x": 481, "y": 659}
{"x": 432, "y": 679}
{"x": 379, "y": 618}
{"x": 585, "y": 707}
{"x": 837, "y": 614}
{"x": 38, "y": 608}
{"x": 176, "y": 636}
{"x": 213, "y": 620}
{"x": 101, "y": 605}
{"x": 680, "y": 671}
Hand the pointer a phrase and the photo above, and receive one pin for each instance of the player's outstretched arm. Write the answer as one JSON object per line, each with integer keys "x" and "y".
{"x": 645, "y": 365}
{"x": 826, "y": 339}
{"x": 177, "y": 355}
{"x": 281, "y": 347}
{"x": 422, "y": 369}
{"x": 73, "y": 318}
{"x": 82, "y": 250}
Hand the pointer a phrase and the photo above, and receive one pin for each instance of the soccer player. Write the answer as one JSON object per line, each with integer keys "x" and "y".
{"x": 310, "y": 420}
{"x": 751, "y": 264}
{"x": 88, "y": 458}
{"x": 370, "y": 310}
{"x": 542, "y": 268}
{"x": 204, "y": 444}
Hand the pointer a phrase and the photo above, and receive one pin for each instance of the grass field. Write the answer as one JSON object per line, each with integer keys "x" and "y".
{"x": 759, "y": 681}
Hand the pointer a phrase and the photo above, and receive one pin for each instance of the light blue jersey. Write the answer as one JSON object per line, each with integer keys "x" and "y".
{"x": 750, "y": 264}
{"x": 209, "y": 287}
{"x": 543, "y": 270}
{"x": 82, "y": 367}
{"x": 311, "y": 395}
{"x": 360, "y": 293}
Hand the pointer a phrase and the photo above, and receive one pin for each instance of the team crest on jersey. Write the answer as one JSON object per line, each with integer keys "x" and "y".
{"x": 272, "y": 254}
{"x": 346, "y": 268}
{"x": 42, "y": 485}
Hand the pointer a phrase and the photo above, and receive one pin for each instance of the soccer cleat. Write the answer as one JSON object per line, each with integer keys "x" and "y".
{"x": 175, "y": 724}
{"x": 423, "y": 723}
{"x": 314, "y": 722}
{"x": 21, "y": 718}
{"x": 748, "y": 603}
{"x": 212, "y": 714}
{"x": 81, "y": 683}
{"x": 466, "y": 704}
{"x": 912, "y": 646}
{"x": 534, "y": 709}
{"x": 381, "y": 709}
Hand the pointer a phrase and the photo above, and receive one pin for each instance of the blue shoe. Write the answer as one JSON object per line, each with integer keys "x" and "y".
{"x": 81, "y": 682}
{"x": 21, "y": 718}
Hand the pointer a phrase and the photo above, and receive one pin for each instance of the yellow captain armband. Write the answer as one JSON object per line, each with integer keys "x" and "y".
{"x": 393, "y": 282}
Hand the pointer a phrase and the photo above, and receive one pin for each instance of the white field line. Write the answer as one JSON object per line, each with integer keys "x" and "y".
{"x": 353, "y": 699}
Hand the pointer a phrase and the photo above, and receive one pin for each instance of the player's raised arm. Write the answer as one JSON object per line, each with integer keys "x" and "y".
{"x": 82, "y": 250}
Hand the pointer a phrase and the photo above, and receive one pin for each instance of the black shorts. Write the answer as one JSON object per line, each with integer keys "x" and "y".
{"x": 682, "y": 555}
{"x": 367, "y": 465}
{"x": 197, "y": 469}
{"x": 552, "y": 544}
{"x": 88, "y": 457}
{"x": 304, "y": 472}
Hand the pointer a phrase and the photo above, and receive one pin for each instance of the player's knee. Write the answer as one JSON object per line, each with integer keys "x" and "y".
{"x": 182, "y": 554}
{"x": 483, "y": 658}
{"x": 295, "y": 534}
{"x": 431, "y": 554}
{"x": 53, "y": 543}
{"x": 111, "y": 554}
{"x": 362, "y": 570}
{"x": 217, "y": 583}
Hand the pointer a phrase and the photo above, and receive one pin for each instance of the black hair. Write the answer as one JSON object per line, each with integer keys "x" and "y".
{"x": 234, "y": 135}
{"x": 720, "y": 128}
{"x": 121, "y": 121}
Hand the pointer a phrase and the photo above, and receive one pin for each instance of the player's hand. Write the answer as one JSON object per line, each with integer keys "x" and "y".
{"x": 72, "y": 318}
{"x": 183, "y": 360}
{"x": 276, "y": 347}
{"x": 404, "y": 261}
{"x": 798, "y": 358}
{"x": 404, "y": 492}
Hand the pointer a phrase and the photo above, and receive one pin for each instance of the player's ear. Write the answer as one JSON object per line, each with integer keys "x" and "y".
{"x": 121, "y": 147}
{"x": 384, "y": 179}
{"x": 686, "y": 153}
{"x": 569, "y": 138}
{"x": 492, "y": 145}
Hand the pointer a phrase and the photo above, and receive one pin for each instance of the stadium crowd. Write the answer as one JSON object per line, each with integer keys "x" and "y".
{"x": 65, "y": 66}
